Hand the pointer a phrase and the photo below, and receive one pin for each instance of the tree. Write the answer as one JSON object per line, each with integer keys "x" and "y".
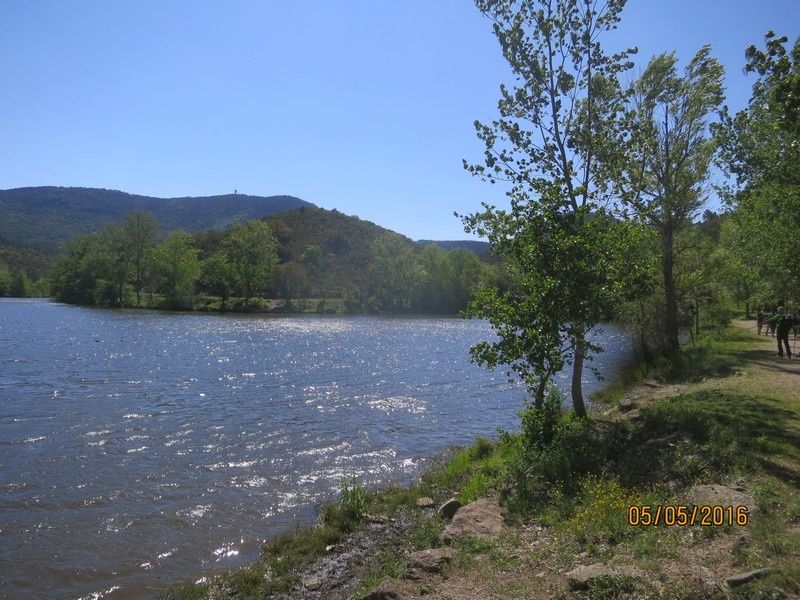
{"x": 178, "y": 268}
{"x": 218, "y": 277}
{"x": 21, "y": 286}
{"x": 139, "y": 231}
{"x": 761, "y": 147}
{"x": 290, "y": 281}
{"x": 667, "y": 160}
{"x": 736, "y": 267}
{"x": 117, "y": 257}
{"x": 5, "y": 283}
{"x": 396, "y": 274}
{"x": 78, "y": 270}
{"x": 549, "y": 144}
{"x": 252, "y": 251}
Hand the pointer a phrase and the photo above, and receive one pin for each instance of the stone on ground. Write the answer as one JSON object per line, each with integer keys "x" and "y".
{"x": 425, "y": 502}
{"x": 312, "y": 583}
{"x": 715, "y": 494}
{"x": 742, "y": 578}
{"x": 449, "y": 508}
{"x": 432, "y": 561}
{"x": 481, "y": 519}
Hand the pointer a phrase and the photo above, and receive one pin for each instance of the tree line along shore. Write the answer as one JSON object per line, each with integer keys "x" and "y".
{"x": 265, "y": 266}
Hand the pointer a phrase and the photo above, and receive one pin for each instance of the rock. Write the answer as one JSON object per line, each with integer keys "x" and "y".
{"x": 716, "y": 494}
{"x": 378, "y": 519}
{"x": 626, "y": 404}
{"x": 482, "y": 519}
{"x": 312, "y": 583}
{"x": 386, "y": 590}
{"x": 432, "y": 561}
{"x": 425, "y": 502}
{"x": 742, "y": 543}
{"x": 580, "y": 576}
{"x": 742, "y": 578}
{"x": 449, "y": 508}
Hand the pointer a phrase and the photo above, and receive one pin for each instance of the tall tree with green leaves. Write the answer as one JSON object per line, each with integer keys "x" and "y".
{"x": 761, "y": 149}
{"x": 178, "y": 267}
{"x": 396, "y": 274}
{"x": 253, "y": 252}
{"x": 139, "y": 232}
{"x": 218, "y": 277}
{"x": 549, "y": 144}
{"x": 117, "y": 263}
{"x": 664, "y": 172}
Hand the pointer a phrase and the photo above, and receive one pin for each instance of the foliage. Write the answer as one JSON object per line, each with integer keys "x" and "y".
{"x": 139, "y": 232}
{"x": 548, "y": 144}
{"x": 368, "y": 269}
{"x": 177, "y": 267}
{"x": 761, "y": 149}
{"x": 218, "y": 277}
{"x": 395, "y": 274}
{"x": 602, "y": 510}
{"x": 665, "y": 165}
{"x": 252, "y": 251}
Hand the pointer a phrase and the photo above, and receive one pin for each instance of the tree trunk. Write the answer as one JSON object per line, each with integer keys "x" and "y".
{"x": 577, "y": 376}
{"x": 538, "y": 400}
{"x": 670, "y": 295}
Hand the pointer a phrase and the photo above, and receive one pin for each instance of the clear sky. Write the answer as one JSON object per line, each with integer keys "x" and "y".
{"x": 361, "y": 105}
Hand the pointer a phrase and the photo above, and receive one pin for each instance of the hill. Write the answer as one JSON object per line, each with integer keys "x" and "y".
{"x": 480, "y": 248}
{"x": 44, "y": 218}
{"x": 321, "y": 252}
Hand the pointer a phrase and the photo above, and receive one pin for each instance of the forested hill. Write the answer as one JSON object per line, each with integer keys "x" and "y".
{"x": 337, "y": 262}
{"x": 480, "y": 248}
{"x": 321, "y": 252}
{"x": 44, "y": 218}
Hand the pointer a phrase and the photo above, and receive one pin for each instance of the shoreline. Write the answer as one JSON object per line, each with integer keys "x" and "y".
{"x": 343, "y": 558}
{"x": 381, "y": 544}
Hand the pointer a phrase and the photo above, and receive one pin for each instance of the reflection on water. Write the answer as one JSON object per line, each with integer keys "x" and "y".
{"x": 137, "y": 448}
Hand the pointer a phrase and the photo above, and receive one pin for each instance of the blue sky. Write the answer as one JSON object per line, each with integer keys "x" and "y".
{"x": 361, "y": 105}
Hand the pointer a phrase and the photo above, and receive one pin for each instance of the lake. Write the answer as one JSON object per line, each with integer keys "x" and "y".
{"x": 138, "y": 448}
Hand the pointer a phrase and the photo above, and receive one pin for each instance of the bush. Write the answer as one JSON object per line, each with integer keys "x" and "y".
{"x": 540, "y": 425}
{"x": 602, "y": 513}
{"x": 350, "y": 510}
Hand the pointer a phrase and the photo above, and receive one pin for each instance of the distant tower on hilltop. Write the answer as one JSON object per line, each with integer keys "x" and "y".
{"x": 235, "y": 191}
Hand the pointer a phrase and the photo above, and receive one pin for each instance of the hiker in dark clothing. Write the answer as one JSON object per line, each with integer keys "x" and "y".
{"x": 760, "y": 320}
{"x": 783, "y": 325}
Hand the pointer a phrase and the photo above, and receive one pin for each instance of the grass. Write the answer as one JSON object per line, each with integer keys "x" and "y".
{"x": 386, "y": 564}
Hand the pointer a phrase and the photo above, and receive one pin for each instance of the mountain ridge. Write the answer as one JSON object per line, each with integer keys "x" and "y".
{"x": 43, "y": 218}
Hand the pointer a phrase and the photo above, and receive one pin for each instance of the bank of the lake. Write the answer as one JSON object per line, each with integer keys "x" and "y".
{"x": 723, "y": 427}
{"x": 142, "y": 446}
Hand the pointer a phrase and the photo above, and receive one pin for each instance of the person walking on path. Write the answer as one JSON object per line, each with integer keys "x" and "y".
{"x": 760, "y": 320}
{"x": 769, "y": 320}
{"x": 782, "y": 325}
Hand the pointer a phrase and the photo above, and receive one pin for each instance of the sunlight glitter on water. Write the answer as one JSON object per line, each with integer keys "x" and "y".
{"x": 171, "y": 451}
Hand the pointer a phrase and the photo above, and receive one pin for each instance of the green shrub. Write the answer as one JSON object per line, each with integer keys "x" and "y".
{"x": 540, "y": 425}
{"x": 350, "y": 510}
